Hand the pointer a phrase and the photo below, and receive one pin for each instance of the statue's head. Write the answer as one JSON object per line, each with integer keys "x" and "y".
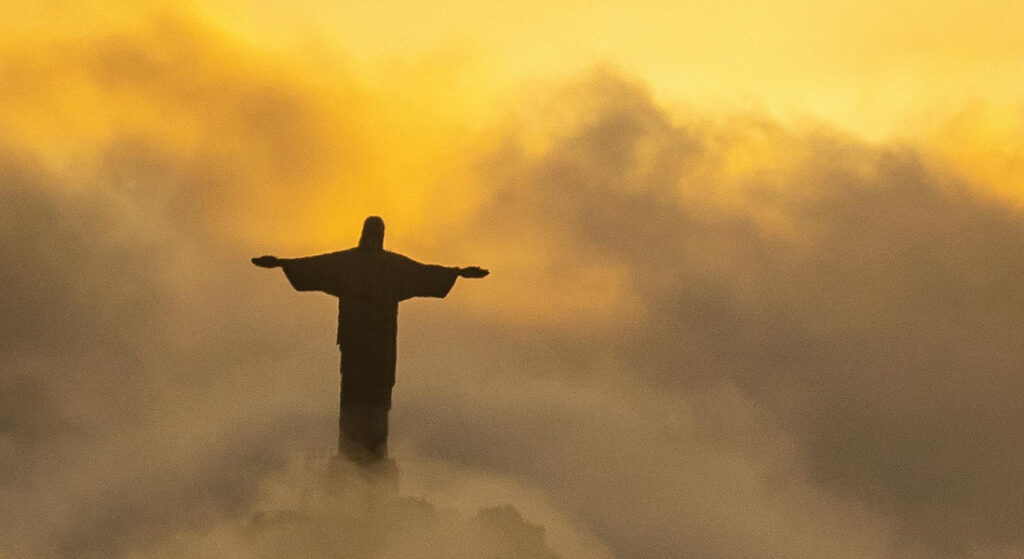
{"x": 373, "y": 234}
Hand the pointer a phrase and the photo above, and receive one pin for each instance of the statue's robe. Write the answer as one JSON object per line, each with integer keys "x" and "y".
{"x": 369, "y": 284}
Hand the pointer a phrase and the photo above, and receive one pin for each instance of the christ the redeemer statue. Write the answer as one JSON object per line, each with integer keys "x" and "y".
{"x": 369, "y": 282}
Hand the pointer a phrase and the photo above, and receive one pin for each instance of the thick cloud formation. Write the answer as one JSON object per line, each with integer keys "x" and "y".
{"x": 864, "y": 301}
{"x": 703, "y": 336}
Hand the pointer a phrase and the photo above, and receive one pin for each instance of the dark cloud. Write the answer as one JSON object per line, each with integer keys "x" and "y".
{"x": 110, "y": 368}
{"x": 874, "y": 316}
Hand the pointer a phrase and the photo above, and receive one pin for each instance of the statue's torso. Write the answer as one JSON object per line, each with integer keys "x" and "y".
{"x": 368, "y": 297}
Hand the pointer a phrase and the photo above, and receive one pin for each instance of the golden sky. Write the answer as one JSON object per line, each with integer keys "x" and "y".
{"x": 435, "y": 71}
{"x": 868, "y": 67}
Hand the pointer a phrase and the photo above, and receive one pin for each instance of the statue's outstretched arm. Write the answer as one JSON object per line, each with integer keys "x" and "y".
{"x": 473, "y": 272}
{"x": 267, "y": 261}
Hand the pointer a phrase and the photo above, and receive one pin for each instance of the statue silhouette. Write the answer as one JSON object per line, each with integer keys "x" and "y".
{"x": 369, "y": 282}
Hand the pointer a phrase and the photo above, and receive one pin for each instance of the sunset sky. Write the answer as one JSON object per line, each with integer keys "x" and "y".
{"x": 755, "y": 291}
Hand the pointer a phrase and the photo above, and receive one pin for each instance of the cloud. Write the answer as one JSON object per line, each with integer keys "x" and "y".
{"x": 862, "y": 298}
{"x": 358, "y": 516}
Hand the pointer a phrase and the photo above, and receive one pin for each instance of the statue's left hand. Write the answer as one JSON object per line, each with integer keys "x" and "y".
{"x": 267, "y": 261}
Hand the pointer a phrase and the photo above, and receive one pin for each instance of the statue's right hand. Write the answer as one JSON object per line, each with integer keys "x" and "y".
{"x": 266, "y": 261}
{"x": 473, "y": 272}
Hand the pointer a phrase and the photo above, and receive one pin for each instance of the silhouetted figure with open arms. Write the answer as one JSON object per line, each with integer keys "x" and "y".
{"x": 369, "y": 282}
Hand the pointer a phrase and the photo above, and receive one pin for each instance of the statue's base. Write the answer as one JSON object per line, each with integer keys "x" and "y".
{"x": 339, "y": 484}
{"x": 374, "y": 481}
